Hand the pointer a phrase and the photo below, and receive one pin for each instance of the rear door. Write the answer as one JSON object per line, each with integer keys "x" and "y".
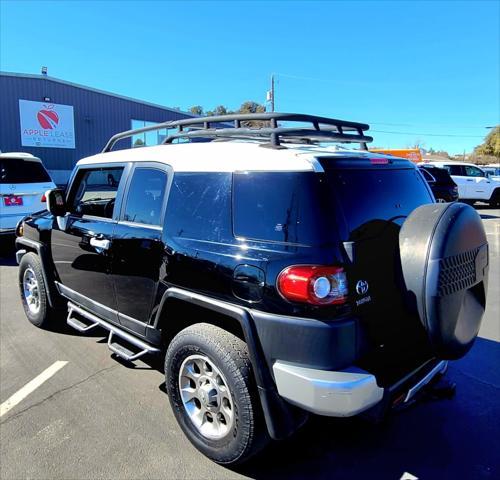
{"x": 81, "y": 241}
{"x": 478, "y": 184}
{"x": 371, "y": 204}
{"x": 459, "y": 176}
{"x": 138, "y": 246}
{"x": 23, "y": 183}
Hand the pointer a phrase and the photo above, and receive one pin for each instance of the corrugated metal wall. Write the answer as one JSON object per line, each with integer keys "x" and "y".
{"x": 97, "y": 117}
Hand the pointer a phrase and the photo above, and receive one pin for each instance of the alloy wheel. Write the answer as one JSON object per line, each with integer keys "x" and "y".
{"x": 206, "y": 397}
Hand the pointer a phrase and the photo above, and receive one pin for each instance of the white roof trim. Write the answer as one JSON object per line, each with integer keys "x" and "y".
{"x": 95, "y": 90}
{"x": 225, "y": 157}
{"x": 20, "y": 155}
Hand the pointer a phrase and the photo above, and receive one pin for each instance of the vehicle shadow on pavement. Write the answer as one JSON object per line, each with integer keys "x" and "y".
{"x": 433, "y": 440}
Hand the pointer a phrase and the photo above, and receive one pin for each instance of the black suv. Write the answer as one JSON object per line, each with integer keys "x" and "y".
{"x": 442, "y": 185}
{"x": 278, "y": 276}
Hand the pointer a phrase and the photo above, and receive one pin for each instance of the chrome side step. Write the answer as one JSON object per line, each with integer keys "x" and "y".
{"x": 113, "y": 344}
{"x": 76, "y": 322}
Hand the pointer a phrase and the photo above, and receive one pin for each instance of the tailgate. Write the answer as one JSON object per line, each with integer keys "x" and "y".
{"x": 22, "y": 199}
{"x": 372, "y": 202}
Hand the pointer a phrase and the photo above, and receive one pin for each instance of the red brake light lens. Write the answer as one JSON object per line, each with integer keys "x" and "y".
{"x": 314, "y": 284}
{"x": 379, "y": 161}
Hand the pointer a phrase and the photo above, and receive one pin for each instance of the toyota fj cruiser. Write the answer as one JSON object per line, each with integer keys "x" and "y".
{"x": 278, "y": 276}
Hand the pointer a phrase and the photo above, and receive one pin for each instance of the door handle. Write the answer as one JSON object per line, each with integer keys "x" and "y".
{"x": 469, "y": 180}
{"x": 100, "y": 244}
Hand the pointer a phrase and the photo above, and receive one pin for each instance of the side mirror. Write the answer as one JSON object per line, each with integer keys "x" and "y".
{"x": 56, "y": 204}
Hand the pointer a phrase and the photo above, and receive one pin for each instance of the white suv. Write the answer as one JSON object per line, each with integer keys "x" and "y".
{"x": 23, "y": 183}
{"x": 473, "y": 183}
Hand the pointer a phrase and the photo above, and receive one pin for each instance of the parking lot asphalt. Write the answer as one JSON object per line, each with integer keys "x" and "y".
{"x": 98, "y": 417}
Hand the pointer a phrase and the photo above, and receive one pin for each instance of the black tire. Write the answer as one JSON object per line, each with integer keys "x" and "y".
{"x": 495, "y": 199}
{"x": 229, "y": 354}
{"x": 42, "y": 316}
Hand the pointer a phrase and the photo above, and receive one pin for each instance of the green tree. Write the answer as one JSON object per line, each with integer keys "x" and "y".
{"x": 251, "y": 107}
{"x": 221, "y": 110}
{"x": 491, "y": 144}
{"x": 196, "y": 110}
{"x": 246, "y": 107}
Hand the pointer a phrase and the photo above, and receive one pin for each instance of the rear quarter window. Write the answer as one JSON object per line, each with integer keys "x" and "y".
{"x": 199, "y": 206}
{"x": 279, "y": 207}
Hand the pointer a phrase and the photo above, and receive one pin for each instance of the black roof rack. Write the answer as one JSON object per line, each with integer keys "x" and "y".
{"x": 322, "y": 129}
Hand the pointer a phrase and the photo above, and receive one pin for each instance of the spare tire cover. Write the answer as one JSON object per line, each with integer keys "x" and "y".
{"x": 444, "y": 258}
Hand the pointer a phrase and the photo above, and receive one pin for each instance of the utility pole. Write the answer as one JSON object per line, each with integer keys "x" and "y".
{"x": 272, "y": 93}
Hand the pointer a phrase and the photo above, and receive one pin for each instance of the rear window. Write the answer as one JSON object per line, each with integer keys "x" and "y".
{"x": 279, "y": 207}
{"x": 440, "y": 174}
{"x": 371, "y": 196}
{"x": 18, "y": 170}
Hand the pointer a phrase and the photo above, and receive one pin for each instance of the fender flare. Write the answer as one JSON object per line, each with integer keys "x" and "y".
{"x": 281, "y": 418}
{"x": 48, "y": 277}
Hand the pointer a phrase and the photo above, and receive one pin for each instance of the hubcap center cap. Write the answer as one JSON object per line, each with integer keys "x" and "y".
{"x": 209, "y": 395}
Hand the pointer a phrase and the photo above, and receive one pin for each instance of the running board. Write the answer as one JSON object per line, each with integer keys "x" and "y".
{"x": 77, "y": 322}
{"x": 113, "y": 344}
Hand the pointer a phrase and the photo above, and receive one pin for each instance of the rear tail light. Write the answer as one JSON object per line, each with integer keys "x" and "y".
{"x": 314, "y": 284}
{"x": 43, "y": 199}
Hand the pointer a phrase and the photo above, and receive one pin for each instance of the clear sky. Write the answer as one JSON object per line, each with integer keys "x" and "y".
{"x": 428, "y": 69}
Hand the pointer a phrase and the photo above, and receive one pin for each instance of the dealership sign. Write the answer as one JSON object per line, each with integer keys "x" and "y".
{"x": 46, "y": 125}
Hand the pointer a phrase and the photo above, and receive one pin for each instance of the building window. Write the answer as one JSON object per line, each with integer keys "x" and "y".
{"x": 148, "y": 139}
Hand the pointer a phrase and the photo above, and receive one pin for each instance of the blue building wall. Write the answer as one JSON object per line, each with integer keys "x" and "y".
{"x": 97, "y": 116}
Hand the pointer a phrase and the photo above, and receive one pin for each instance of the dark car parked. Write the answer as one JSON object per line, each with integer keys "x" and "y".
{"x": 278, "y": 277}
{"x": 442, "y": 185}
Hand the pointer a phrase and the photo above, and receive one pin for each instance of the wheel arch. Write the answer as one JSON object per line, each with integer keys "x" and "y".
{"x": 47, "y": 268}
{"x": 495, "y": 194}
{"x": 281, "y": 418}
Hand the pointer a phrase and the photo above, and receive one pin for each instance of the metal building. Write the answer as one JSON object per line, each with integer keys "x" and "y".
{"x": 62, "y": 122}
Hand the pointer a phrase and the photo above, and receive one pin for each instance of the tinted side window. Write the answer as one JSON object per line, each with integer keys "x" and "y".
{"x": 278, "y": 206}
{"x": 455, "y": 169}
{"x": 427, "y": 175}
{"x": 199, "y": 206}
{"x": 18, "y": 170}
{"x": 94, "y": 191}
{"x": 473, "y": 171}
{"x": 145, "y": 196}
{"x": 441, "y": 175}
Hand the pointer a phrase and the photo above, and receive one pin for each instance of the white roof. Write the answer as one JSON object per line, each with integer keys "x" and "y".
{"x": 452, "y": 162}
{"x": 20, "y": 155}
{"x": 228, "y": 156}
